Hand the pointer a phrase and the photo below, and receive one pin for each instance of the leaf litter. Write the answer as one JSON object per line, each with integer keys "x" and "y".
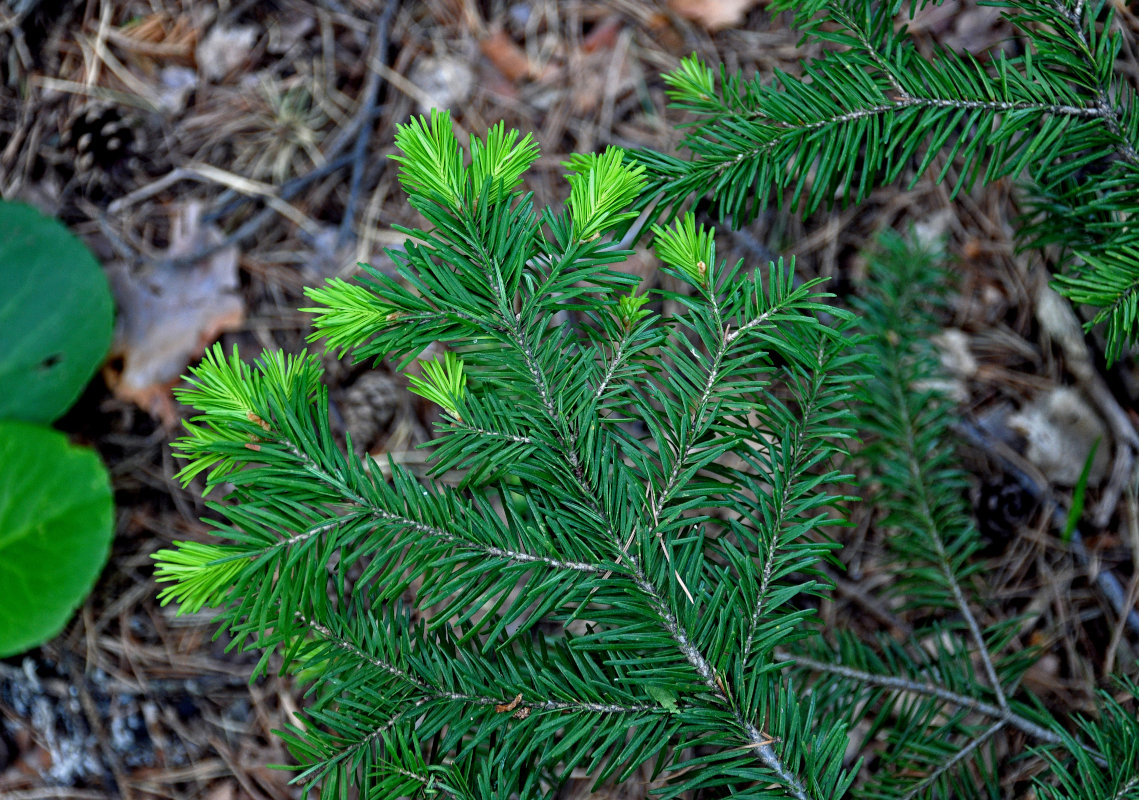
{"x": 282, "y": 106}
{"x": 169, "y": 313}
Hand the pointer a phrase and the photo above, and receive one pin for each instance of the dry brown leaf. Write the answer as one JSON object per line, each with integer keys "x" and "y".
{"x": 168, "y": 315}
{"x": 1061, "y": 429}
{"x": 443, "y": 82}
{"x": 507, "y": 57}
{"x": 715, "y": 15}
{"x": 604, "y": 34}
{"x": 225, "y": 49}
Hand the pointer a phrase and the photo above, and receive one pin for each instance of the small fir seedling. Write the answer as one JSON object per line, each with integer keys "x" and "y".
{"x": 613, "y": 559}
{"x": 621, "y": 512}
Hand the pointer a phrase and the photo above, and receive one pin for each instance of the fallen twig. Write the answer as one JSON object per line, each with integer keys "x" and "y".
{"x": 1105, "y": 580}
{"x": 258, "y": 220}
{"x": 371, "y": 96}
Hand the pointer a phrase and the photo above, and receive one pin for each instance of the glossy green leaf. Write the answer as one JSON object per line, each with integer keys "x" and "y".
{"x": 56, "y": 521}
{"x": 55, "y": 315}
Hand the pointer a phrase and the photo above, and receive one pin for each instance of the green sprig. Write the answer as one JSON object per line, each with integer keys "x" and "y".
{"x": 502, "y": 160}
{"x": 348, "y": 314}
{"x": 602, "y": 186}
{"x": 687, "y": 247}
{"x": 432, "y": 160}
{"x": 442, "y": 383}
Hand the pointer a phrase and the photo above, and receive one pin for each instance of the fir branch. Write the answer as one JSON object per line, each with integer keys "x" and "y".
{"x": 568, "y": 452}
{"x": 864, "y": 116}
{"x": 340, "y": 484}
{"x": 921, "y": 494}
{"x": 435, "y": 693}
{"x": 948, "y": 765}
{"x": 1078, "y": 24}
{"x": 918, "y": 486}
{"x": 536, "y": 419}
{"x": 1002, "y": 715}
{"x": 812, "y": 412}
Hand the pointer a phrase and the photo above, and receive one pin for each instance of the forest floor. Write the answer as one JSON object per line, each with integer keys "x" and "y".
{"x": 219, "y": 158}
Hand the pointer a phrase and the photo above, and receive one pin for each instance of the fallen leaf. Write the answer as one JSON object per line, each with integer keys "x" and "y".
{"x": 224, "y": 50}
{"x": 604, "y": 35}
{"x": 1061, "y": 429}
{"x": 715, "y": 15}
{"x": 443, "y": 82}
{"x": 507, "y": 57}
{"x": 169, "y": 314}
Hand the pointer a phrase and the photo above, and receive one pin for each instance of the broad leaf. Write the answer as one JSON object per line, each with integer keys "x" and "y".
{"x": 56, "y": 520}
{"x": 55, "y": 315}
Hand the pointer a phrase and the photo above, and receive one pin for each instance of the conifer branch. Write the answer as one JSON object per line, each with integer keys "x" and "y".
{"x": 435, "y": 693}
{"x": 756, "y": 740}
{"x": 921, "y": 490}
{"x": 1003, "y": 715}
{"x": 638, "y": 504}
{"x": 369, "y": 510}
{"x": 754, "y": 737}
{"x": 954, "y": 760}
{"x": 534, "y": 531}
{"x": 458, "y": 425}
{"x": 810, "y": 406}
{"x": 1110, "y": 114}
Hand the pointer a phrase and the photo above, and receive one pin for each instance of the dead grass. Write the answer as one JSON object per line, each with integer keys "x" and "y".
{"x": 254, "y": 111}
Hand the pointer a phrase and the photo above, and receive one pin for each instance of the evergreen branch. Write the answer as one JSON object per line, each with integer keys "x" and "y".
{"x": 589, "y": 493}
{"x": 922, "y": 496}
{"x": 339, "y": 483}
{"x": 458, "y": 425}
{"x": 1078, "y": 772}
{"x": 415, "y": 526}
{"x": 611, "y": 369}
{"x": 1114, "y": 120}
{"x": 534, "y": 415}
{"x": 754, "y": 737}
{"x": 434, "y": 693}
{"x": 1003, "y": 715}
{"x": 958, "y": 757}
{"x": 907, "y": 102}
{"x": 692, "y": 431}
{"x": 756, "y": 740}
{"x": 811, "y": 405}
{"x": 911, "y": 431}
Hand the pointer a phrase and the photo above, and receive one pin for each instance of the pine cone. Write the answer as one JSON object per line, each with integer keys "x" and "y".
{"x": 100, "y": 137}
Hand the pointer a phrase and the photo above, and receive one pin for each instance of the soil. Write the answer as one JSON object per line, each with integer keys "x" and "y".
{"x": 218, "y": 146}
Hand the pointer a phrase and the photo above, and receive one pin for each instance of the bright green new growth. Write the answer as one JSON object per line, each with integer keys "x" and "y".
{"x": 602, "y": 187}
{"x": 348, "y": 312}
{"x": 688, "y": 248}
{"x": 631, "y": 310}
{"x": 433, "y": 164}
{"x": 501, "y": 160}
{"x": 614, "y": 557}
{"x": 199, "y": 572}
{"x": 873, "y": 110}
{"x": 623, "y": 511}
{"x": 442, "y": 383}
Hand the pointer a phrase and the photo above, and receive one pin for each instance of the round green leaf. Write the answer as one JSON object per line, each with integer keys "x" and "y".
{"x": 55, "y": 315}
{"x": 56, "y": 520}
